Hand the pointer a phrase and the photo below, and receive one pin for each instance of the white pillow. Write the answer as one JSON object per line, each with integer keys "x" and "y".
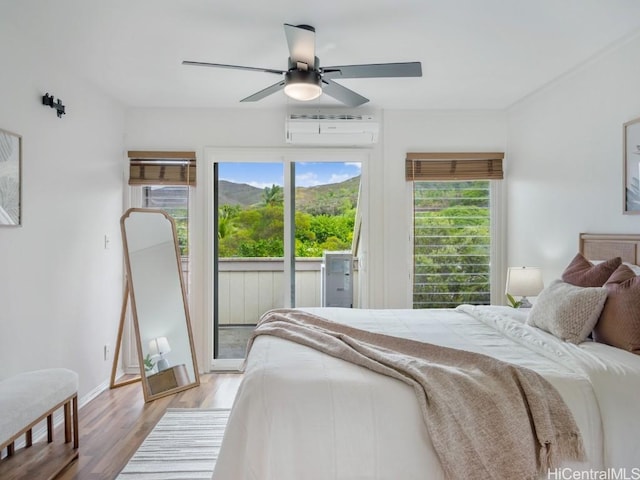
{"x": 567, "y": 311}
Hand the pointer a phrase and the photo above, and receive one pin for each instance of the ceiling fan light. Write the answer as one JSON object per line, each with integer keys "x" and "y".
{"x": 303, "y": 91}
{"x": 303, "y": 85}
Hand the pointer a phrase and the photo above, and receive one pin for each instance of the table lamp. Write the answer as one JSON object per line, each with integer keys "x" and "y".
{"x": 158, "y": 347}
{"x": 524, "y": 282}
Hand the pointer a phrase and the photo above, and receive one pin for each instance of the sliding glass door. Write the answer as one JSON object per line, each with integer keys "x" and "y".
{"x": 249, "y": 261}
{"x": 273, "y": 221}
{"x": 325, "y": 205}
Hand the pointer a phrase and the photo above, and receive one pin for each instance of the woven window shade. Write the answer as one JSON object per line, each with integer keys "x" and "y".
{"x": 454, "y": 166}
{"x": 162, "y": 168}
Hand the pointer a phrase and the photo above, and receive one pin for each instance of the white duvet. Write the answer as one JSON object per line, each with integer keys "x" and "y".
{"x": 303, "y": 415}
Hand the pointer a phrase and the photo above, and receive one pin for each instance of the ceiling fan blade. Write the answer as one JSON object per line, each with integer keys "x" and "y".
{"x": 235, "y": 67}
{"x": 374, "y": 70}
{"x": 302, "y": 43}
{"x": 265, "y": 92}
{"x": 342, "y": 94}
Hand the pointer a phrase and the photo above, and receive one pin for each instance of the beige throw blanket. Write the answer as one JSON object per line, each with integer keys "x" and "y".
{"x": 486, "y": 418}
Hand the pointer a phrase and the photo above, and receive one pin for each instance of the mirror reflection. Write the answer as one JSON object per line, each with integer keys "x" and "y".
{"x": 158, "y": 303}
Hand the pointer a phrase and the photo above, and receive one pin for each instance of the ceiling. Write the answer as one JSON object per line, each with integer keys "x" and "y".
{"x": 475, "y": 54}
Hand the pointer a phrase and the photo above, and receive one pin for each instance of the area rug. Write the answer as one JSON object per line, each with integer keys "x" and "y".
{"x": 183, "y": 445}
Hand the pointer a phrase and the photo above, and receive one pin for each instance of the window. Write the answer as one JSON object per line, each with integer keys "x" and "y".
{"x": 452, "y": 227}
{"x": 173, "y": 199}
{"x": 163, "y": 180}
{"x": 452, "y": 243}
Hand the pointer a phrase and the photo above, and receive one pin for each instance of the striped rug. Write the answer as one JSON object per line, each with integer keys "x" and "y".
{"x": 183, "y": 445}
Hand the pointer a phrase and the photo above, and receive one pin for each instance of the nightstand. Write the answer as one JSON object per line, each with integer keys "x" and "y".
{"x": 167, "y": 379}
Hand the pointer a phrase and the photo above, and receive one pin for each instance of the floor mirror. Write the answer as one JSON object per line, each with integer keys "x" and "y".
{"x": 158, "y": 303}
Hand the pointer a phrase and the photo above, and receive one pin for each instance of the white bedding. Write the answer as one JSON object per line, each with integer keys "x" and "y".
{"x": 301, "y": 414}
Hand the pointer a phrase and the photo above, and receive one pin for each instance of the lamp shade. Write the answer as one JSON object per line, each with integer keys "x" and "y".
{"x": 159, "y": 346}
{"x": 524, "y": 281}
{"x": 303, "y": 85}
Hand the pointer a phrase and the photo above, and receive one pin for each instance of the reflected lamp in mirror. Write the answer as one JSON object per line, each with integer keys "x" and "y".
{"x": 524, "y": 282}
{"x": 158, "y": 348}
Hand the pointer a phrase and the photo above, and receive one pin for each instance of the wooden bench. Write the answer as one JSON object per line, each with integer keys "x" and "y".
{"x": 27, "y": 399}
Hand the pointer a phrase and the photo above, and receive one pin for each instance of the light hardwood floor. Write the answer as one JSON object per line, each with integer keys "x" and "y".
{"x": 114, "y": 424}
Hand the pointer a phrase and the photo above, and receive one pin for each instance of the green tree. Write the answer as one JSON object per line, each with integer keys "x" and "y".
{"x": 226, "y": 215}
{"x": 273, "y": 195}
{"x": 339, "y": 226}
{"x": 324, "y": 220}
{"x": 179, "y": 216}
{"x": 451, "y": 243}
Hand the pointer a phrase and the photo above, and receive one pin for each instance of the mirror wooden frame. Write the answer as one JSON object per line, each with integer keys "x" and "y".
{"x": 130, "y": 290}
{"x": 114, "y": 383}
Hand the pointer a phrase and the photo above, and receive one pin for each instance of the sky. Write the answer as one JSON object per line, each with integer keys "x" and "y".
{"x": 262, "y": 175}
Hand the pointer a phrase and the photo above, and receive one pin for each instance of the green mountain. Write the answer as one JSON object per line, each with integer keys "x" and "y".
{"x": 330, "y": 199}
{"x": 230, "y": 193}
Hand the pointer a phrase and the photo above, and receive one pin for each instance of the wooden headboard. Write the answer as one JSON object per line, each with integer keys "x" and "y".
{"x": 603, "y": 246}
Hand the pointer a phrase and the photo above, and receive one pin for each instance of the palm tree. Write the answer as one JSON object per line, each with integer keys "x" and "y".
{"x": 273, "y": 195}
{"x": 226, "y": 213}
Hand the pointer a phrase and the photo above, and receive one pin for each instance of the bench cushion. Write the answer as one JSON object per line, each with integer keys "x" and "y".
{"x": 27, "y": 396}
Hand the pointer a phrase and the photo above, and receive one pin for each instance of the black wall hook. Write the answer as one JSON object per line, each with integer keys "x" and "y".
{"x": 48, "y": 100}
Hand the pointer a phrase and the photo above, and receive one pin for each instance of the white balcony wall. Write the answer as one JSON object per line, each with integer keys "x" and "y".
{"x": 248, "y": 287}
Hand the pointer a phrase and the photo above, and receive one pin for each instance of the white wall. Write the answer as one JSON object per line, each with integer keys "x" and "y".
{"x": 565, "y": 160}
{"x": 60, "y": 290}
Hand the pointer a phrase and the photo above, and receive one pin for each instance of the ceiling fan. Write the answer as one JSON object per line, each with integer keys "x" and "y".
{"x": 306, "y": 80}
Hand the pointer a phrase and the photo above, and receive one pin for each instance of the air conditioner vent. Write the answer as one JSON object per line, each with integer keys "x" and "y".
{"x": 324, "y": 116}
{"x": 331, "y": 129}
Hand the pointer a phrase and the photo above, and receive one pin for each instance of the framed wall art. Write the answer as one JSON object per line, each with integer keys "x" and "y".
{"x": 632, "y": 167}
{"x": 10, "y": 179}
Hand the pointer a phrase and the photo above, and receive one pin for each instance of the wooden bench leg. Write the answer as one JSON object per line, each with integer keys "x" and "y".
{"x": 75, "y": 422}
{"x": 50, "y": 428}
{"x": 29, "y": 438}
{"x": 11, "y": 449}
{"x": 67, "y": 422}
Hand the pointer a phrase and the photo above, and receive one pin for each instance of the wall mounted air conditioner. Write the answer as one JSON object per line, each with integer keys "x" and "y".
{"x": 331, "y": 129}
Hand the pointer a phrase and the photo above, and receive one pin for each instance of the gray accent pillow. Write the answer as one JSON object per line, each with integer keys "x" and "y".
{"x": 567, "y": 311}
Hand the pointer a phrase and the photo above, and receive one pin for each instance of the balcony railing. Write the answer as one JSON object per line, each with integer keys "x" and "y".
{"x": 248, "y": 287}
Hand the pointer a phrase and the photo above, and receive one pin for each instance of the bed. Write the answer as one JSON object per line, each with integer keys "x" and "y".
{"x": 303, "y": 414}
